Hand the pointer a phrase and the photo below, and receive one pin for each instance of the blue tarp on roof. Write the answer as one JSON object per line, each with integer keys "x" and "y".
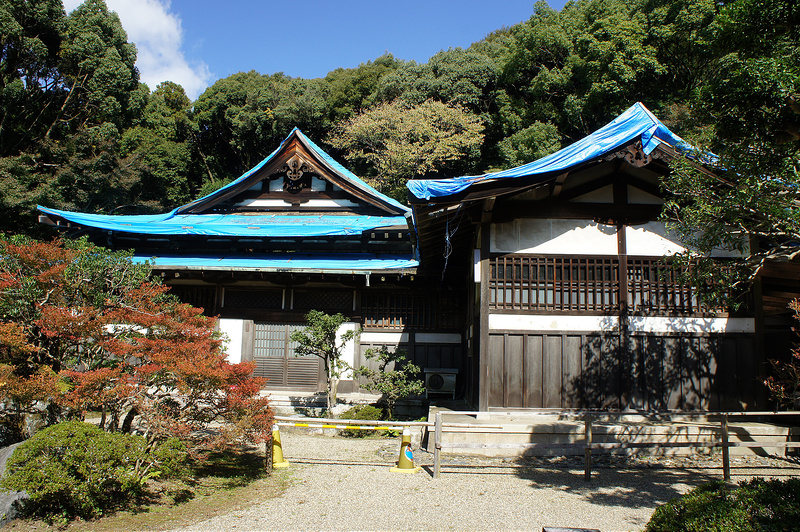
{"x": 352, "y": 262}
{"x": 274, "y": 225}
{"x": 635, "y": 123}
{"x": 233, "y": 225}
{"x": 343, "y": 172}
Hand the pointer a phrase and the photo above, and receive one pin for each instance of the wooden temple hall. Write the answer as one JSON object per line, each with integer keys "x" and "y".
{"x": 541, "y": 286}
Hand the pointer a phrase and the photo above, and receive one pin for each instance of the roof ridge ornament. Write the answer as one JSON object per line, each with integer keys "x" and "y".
{"x": 294, "y": 168}
{"x": 633, "y": 153}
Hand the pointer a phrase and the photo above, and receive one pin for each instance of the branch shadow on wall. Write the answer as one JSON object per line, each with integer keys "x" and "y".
{"x": 670, "y": 370}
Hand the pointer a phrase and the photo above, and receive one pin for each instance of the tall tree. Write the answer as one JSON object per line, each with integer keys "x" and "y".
{"x": 31, "y": 33}
{"x": 400, "y": 142}
{"x": 79, "y": 99}
{"x": 158, "y": 148}
{"x": 751, "y": 103}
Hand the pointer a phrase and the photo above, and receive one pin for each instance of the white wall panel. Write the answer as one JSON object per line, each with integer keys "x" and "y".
{"x": 692, "y": 325}
{"x": 523, "y": 322}
{"x": 554, "y": 237}
{"x": 234, "y": 330}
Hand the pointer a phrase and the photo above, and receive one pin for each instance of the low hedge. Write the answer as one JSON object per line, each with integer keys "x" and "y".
{"x": 754, "y": 506}
{"x": 75, "y": 469}
{"x": 365, "y": 412}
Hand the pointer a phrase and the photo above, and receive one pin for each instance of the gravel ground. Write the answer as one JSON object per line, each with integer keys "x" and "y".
{"x": 345, "y": 484}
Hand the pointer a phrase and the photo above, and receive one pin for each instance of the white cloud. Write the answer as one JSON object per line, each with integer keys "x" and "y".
{"x": 158, "y": 37}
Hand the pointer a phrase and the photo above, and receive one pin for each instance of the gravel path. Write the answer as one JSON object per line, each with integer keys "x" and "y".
{"x": 345, "y": 484}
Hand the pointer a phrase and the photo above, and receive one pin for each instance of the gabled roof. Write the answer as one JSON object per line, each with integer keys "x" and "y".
{"x": 200, "y": 218}
{"x": 637, "y": 123}
{"x": 341, "y": 176}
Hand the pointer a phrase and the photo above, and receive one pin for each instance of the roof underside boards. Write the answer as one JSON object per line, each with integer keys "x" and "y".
{"x": 635, "y": 124}
{"x": 266, "y": 225}
{"x": 335, "y": 172}
{"x": 284, "y": 262}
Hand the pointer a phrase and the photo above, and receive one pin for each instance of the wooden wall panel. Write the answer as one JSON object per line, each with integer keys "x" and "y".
{"x": 514, "y": 388}
{"x": 552, "y": 371}
{"x": 655, "y": 372}
{"x": 496, "y": 375}
{"x": 572, "y": 364}
{"x": 534, "y": 352}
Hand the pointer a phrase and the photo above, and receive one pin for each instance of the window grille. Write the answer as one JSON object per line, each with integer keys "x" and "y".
{"x": 590, "y": 284}
{"x": 408, "y": 310}
{"x": 197, "y": 296}
{"x": 525, "y": 282}
{"x": 253, "y": 298}
{"x": 324, "y": 300}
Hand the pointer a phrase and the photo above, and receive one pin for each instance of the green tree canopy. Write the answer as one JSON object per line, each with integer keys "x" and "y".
{"x": 398, "y": 142}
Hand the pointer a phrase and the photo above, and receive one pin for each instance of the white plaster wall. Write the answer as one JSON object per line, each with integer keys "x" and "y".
{"x": 234, "y": 330}
{"x": 528, "y": 322}
{"x": 638, "y": 196}
{"x": 317, "y": 184}
{"x": 554, "y": 237}
{"x": 601, "y": 195}
{"x": 522, "y": 322}
{"x": 654, "y": 239}
{"x": 310, "y": 204}
{"x": 694, "y": 325}
{"x": 584, "y": 237}
{"x": 384, "y": 337}
{"x": 349, "y": 351}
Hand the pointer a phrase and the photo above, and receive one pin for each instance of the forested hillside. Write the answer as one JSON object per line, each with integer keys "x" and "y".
{"x": 79, "y": 131}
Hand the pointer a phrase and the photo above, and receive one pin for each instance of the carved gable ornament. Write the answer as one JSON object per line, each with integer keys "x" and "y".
{"x": 635, "y": 155}
{"x": 294, "y": 170}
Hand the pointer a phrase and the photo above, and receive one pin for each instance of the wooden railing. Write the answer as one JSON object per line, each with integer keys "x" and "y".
{"x": 590, "y": 284}
{"x": 588, "y": 445}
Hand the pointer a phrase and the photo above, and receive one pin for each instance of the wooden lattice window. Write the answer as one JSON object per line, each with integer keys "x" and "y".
{"x": 526, "y": 282}
{"x": 253, "y": 298}
{"x": 408, "y": 310}
{"x": 657, "y": 287}
{"x": 197, "y": 296}
{"x": 324, "y": 300}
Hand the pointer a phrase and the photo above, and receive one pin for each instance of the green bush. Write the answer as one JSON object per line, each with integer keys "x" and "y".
{"x": 756, "y": 505}
{"x": 365, "y": 412}
{"x": 76, "y": 469}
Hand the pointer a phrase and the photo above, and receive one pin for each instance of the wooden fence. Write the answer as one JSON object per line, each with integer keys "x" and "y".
{"x": 588, "y": 444}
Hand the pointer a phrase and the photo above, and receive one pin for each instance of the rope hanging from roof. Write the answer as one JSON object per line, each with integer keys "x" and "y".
{"x": 448, "y": 245}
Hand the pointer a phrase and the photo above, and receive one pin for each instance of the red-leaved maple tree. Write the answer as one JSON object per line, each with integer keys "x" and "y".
{"x": 83, "y": 328}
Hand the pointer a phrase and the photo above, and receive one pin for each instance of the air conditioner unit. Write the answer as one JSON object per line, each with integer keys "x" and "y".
{"x": 440, "y": 381}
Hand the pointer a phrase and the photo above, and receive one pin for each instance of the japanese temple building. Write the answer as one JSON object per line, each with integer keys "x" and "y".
{"x": 542, "y": 286}
{"x": 297, "y": 232}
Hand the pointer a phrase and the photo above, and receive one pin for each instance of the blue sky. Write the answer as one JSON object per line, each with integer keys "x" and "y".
{"x": 196, "y": 42}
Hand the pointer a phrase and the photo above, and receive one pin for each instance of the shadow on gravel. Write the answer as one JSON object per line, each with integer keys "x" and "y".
{"x": 623, "y": 484}
{"x": 630, "y": 488}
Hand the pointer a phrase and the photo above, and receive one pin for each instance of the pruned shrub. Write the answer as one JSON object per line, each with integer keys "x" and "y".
{"x": 75, "y": 469}
{"x": 365, "y": 412}
{"x": 756, "y": 505}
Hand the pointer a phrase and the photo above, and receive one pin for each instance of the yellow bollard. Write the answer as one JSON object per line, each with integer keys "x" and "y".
{"x": 406, "y": 462}
{"x": 277, "y": 451}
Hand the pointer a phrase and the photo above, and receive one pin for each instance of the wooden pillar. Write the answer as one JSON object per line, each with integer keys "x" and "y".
{"x": 483, "y": 346}
{"x": 624, "y": 343}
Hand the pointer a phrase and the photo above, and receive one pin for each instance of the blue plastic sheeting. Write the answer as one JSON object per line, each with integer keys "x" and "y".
{"x": 272, "y": 225}
{"x": 356, "y": 262}
{"x": 635, "y": 123}
{"x": 343, "y": 172}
